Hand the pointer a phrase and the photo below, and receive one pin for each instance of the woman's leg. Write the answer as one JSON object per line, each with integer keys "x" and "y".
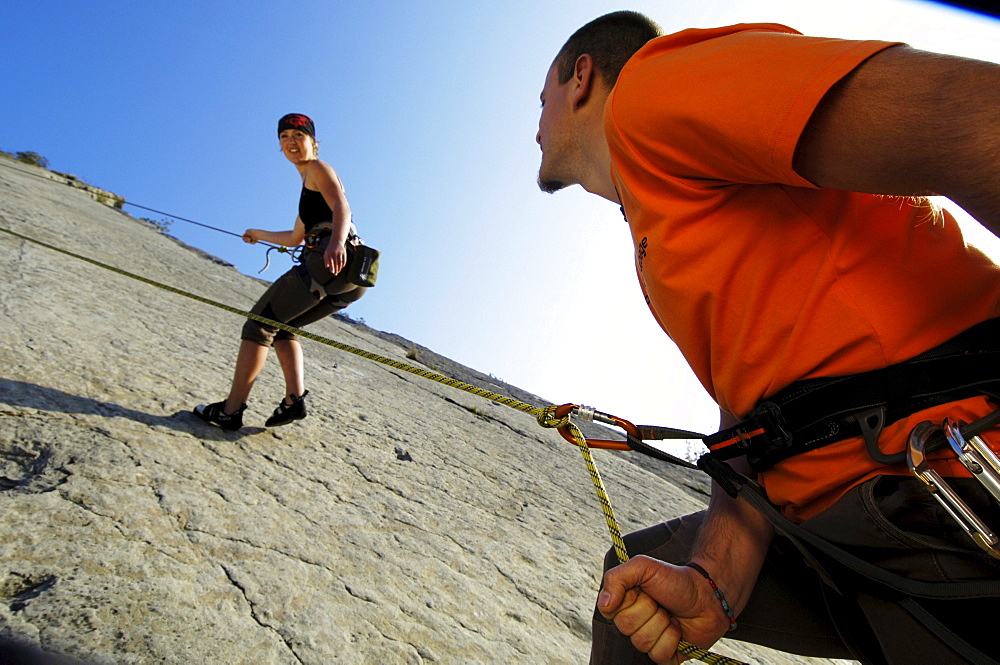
{"x": 249, "y": 362}
{"x": 287, "y": 347}
{"x": 289, "y": 353}
{"x": 288, "y": 300}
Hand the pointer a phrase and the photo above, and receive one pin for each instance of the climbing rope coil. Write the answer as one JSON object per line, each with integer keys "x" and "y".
{"x": 557, "y": 417}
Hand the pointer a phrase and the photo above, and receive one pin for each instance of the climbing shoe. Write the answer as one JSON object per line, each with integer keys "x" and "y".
{"x": 216, "y": 415}
{"x": 286, "y": 413}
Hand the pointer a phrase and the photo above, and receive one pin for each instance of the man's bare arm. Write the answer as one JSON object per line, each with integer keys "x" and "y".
{"x": 910, "y": 122}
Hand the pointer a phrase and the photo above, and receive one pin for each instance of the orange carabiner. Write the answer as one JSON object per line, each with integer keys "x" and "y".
{"x": 590, "y": 414}
{"x": 635, "y": 436}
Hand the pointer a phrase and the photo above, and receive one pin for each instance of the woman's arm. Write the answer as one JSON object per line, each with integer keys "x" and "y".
{"x": 291, "y": 238}
{"x": 321, "y": 176}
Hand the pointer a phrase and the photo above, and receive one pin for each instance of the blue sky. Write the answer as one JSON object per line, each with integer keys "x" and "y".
{"x": 428, "y": 112}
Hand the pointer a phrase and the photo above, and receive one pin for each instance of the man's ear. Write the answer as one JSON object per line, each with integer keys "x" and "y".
{"x": 583, "y": 78}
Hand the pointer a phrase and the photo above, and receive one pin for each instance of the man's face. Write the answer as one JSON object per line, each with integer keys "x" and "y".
{"x": 553, "y": 135}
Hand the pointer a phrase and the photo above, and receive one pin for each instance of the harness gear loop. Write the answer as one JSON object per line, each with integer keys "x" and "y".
{"x": 871, "y": 422}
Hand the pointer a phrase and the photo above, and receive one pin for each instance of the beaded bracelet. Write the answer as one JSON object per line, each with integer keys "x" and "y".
{"x": 718, "y": 594}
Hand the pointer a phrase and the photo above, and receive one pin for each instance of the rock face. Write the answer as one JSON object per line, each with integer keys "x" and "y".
{"x": 402, "y": 522}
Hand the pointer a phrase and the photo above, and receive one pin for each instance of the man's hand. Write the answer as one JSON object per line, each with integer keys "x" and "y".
{"x": 657, "y": 605}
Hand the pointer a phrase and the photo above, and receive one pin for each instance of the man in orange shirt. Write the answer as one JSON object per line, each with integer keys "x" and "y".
{"x": 773, "y": 184}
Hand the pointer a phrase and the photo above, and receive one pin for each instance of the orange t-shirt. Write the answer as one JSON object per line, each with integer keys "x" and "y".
{"x": 761, "y": 278}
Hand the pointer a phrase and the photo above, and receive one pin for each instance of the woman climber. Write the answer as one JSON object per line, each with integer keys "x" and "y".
{"x": 314, "y": 289}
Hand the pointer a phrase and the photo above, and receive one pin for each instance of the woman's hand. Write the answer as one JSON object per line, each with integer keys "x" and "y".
{"x": 335, "y": 257}
{"x": 291, "y": 238}
{"x": 657, "y": 605}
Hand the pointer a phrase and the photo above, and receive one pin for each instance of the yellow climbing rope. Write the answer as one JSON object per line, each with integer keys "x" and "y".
{"x": 546, "y": 416}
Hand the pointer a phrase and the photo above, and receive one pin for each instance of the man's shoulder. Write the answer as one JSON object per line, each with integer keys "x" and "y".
{"x": 684, "y": 54}
{"x": 694, "y": 36}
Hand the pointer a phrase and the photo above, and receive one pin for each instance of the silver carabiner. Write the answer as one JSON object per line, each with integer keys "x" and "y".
{"x": 975, "y": 455}
{"x": 916, "y": 458}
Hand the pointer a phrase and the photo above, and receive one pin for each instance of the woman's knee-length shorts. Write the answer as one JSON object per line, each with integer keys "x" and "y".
{"x": 290, "y": 299}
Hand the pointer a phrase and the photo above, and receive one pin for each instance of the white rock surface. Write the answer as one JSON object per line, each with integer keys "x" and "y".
{"x": 402, "y": 522}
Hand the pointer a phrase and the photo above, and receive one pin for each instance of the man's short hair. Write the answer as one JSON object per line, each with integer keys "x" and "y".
{"x": 610, "y": 40}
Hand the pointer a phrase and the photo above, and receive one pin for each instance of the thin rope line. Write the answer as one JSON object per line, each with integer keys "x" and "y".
{"x": 134, "y": 205}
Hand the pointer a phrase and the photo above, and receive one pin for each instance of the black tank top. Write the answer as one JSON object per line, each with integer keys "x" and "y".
{"x": 313, "y": 209}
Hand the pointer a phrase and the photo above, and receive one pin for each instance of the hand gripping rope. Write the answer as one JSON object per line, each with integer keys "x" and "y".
{"x": 551, "y": 417}
{"x": 559, "y": 418}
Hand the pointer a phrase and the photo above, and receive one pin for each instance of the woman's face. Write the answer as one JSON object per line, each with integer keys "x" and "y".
{"x": 297, "y": 145}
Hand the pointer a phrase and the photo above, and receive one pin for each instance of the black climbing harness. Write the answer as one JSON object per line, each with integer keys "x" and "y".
{"x": 811, "y": 414}
{"x": 362, "y": 261}
{"x": 814, "y": 413}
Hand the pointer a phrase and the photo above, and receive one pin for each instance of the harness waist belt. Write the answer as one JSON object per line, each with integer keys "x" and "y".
{"x": 817, "y": 412}
{"x": 315, "y": 235}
